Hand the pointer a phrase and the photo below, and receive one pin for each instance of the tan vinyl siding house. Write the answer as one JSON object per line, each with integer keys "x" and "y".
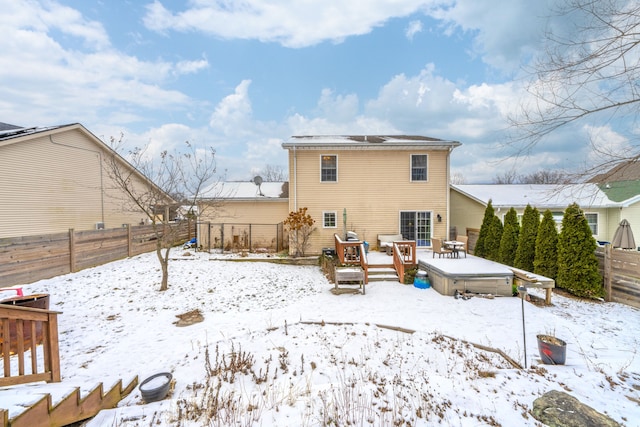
{"x": 54, "y": 179}
{"x": 381, "y": 184}
{"x": 244, "y": 210}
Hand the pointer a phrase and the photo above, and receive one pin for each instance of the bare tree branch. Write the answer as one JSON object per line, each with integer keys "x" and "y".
{"x": 590, "y": 73}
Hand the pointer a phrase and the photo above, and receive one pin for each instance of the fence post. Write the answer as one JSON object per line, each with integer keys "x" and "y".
{"x": 222, "y": 238}
{"x": 129, "y": 241}
{"x": 72, "y": 251}
{"x": 608, "y": 272}
{"x": 209, "y": 237}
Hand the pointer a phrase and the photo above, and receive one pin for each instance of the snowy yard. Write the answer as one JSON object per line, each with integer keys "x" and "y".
{"x": 276, "y": 347}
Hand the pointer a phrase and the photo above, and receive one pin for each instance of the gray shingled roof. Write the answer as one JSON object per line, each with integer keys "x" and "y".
{"x": 8, "y": 131}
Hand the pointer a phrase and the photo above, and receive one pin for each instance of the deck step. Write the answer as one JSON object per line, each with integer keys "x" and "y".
{"x": 57, "y": 404}
{"x": 382, "y": 274}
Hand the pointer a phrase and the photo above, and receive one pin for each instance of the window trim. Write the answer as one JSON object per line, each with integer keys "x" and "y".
{"x": 321, "y": 168}
{"x": 426, "y": 168}
{"x": 597, "y": 223}
{"x": 335, "y": 219}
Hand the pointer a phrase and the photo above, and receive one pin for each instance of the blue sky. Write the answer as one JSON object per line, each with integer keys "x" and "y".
{"x": 243, "y": 76}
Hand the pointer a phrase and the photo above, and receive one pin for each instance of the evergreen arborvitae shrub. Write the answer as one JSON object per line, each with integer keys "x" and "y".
{"x": 577, "y": 262}
{"x": 492, "y": 241}
{"x": 509, "y": 241}
{"x": 526, "y": 252}
{"x": 489, "y": 213}
{"x": 546, "y": 260}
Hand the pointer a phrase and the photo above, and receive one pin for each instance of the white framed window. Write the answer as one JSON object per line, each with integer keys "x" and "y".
{"x": 328, "y": 168}
{"x": 592, "y": 220}
{"x": 419, "y": 167}
{"x": 329, "y": 219}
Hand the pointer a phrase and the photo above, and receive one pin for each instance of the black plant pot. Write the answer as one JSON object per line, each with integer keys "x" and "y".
{"x": 553, "y": 351}
{"x": 155, "y": 387}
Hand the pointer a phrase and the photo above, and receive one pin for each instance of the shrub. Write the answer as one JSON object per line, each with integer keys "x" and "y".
{"x": 492, "y": 241}
{"x": 546, "y": 259}
{"x": 577, "y": 262}
{"x": 300, "y": 225}
{"x": 526, "y": 252}
{"x": 509, "y": 241}
{"x": 489, "y": 213}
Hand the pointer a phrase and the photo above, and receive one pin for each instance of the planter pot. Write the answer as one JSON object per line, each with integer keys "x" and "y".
{"x": 553, "y": 351}
{"x": 155, "y": 387}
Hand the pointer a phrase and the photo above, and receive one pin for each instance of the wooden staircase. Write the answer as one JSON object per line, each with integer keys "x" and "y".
{"x": 45, "y": 412}
{"x": 383, "y": 273}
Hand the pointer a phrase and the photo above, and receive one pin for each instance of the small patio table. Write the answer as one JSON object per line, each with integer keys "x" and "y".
{"x": 455, "y": 246}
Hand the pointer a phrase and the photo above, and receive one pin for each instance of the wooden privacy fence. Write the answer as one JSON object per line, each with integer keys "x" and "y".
{"x": 31, "y": 258}
{"x": 620, "y": 270}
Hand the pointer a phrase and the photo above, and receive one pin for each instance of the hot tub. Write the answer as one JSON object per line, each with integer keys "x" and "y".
{"x": 471, "y": 274}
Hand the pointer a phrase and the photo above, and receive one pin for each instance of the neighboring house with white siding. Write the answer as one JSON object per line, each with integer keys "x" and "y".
{"x": 54, "y": 179}
{"x": 374, "y": 184}
{"x": 603, "y": 212}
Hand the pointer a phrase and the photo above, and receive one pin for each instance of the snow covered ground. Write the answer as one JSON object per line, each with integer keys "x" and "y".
{"x": 276, "y": 347}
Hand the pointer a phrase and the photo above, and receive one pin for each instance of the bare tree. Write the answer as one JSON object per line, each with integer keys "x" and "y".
{"x": 457, "y": 179}
{"x": 273, "y": 173}
{"x": 544, "y": 176}
{"x": 155, "y": 188}
{"x": 589, "y": 72}
{"x": 508, "y": 177}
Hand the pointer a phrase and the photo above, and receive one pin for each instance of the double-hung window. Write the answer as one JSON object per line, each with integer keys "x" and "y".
{"x": 418, "y": 167}
{"x": 329, "y": 219}
{"x": 328, "y": 168}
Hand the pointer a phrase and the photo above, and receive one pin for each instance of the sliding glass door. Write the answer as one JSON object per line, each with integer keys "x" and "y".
{"x": 416, "y": 225}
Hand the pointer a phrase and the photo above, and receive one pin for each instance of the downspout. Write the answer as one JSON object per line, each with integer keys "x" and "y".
{"x": 448, "y": 193}
{"x": 101, "y": 173}
{"x": 295, "y": 180}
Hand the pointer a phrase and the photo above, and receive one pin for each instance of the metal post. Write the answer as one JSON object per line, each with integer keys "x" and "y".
{"x": 522, "y": 290}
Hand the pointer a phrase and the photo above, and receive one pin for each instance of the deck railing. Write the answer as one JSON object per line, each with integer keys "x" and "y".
{"x": 351, "y": 252}
{"x": 22, "y": 330}
{"x": 404, "y": 255}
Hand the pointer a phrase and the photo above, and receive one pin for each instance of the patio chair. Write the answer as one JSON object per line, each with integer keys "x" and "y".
{"x": 465, "y": 240}
{"x": 437, "y": 248}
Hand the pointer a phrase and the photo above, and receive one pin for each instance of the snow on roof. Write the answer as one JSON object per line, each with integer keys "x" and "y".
{"x": 239, "y": 190}
{"x": 367, "y": 140}
{"x": 538, "y": 195}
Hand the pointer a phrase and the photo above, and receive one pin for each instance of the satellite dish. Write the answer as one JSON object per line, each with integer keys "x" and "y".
{"x": 257, "y": 180}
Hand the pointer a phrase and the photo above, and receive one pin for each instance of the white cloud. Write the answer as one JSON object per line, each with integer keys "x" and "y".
{"x": 292, "y": 23}
{"x": 338, "y": 108}
{"x": 505, "y": 31}
{"x": 607, "y": 144}
{"x": 57, "y": 80}
{"x": 191, "y": 67}
{"x": 413, "y": 28}
{"x": 44, "y": 16}
{"x": 234, "y": 111}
